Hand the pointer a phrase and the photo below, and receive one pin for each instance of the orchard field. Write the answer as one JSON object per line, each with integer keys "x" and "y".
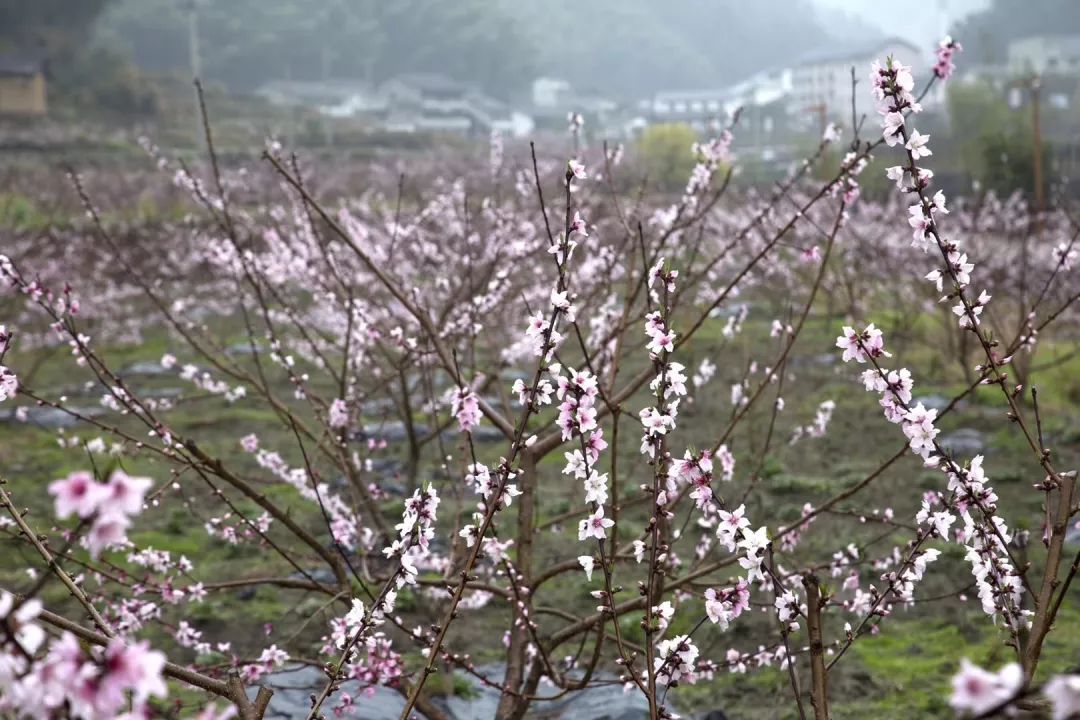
{"x": 515, "y": 434}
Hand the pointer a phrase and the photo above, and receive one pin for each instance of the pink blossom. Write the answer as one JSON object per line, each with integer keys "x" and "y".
{"x": 595, "y": 525}
{"x": 675, "y": 660}
{"x": 9, "y": 383}
{"x": 133, "y": 667}
{"x": 946, "y": 50}
{"x": 976, "y": 690}
{"x": 916, "y": 144}
{"x": 108, "y": 530}
{"x": 1063, "y": 691}
{"x": 339, "y": 414}
{"x": 577, "y": 225}
{"x": 586, "y": 562}
{"x": 465, "y": 406}
{"x": 860, "y": 346}
{"x": 78, "y": 493}
{"x": 891, "y": 128}
{"x": 126, "y": 493}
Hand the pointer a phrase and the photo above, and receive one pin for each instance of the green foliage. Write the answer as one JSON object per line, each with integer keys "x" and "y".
{"x": 105, "y": 82}
{"x": 994, "y": 142}
{"x": 665, "y": 152}
{"x": 20, "y": 213}
{"x": 1009, "y": 163}
{"x": 915, "y": 665}
{"x": 55, "y": 26}
{"x": 797, "y": 485}
{"x": 446, "y": 684}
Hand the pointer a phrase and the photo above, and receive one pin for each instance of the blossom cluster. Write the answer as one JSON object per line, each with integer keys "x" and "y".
{"x": 338, "y": 415}
{"x": 106, "y": 683}
{"x": 978, "y": 691}
{"x": 576, "y": 392}
{"x": 892, "y": 88}
{"x": 820, "y": 425}
{"x": 724, "y": 605}
{"x": 479, "y": 477}
{"x": 371, "y": 658}
{"x": 943, "y": 64}
{"x": 415, "y": 531}
{"x": 106, "y": 507}
{"x": 710, "y": 156}
{"x": 563, "y": 249}
{"x": 9, "y": 382}
{"x": 985, "y": 535}
{"x": 465, "y": 407}
{"x": 344, "y": 521}
{"x": 669, "y": 383}
{"x": 676, "y": 660}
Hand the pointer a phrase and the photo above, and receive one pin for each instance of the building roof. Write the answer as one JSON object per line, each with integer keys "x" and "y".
{"x": 430, "y": 84}
{"x": 304, "y": 91}
{"x": 1057, "y": 35}
{"x": 13, "y": 64}
{"x": 832, "y": 54}
{"x": 1068, "y": 42}
{"x": 691, "y": 95}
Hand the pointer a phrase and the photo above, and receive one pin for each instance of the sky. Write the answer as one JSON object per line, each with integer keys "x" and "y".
{"x": 922, "y": 22}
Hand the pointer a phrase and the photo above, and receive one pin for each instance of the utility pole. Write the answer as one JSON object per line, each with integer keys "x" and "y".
{"x": 195, "y": 59}
{"x": 822, "y": 111}
{"x": 1037, "y": 167}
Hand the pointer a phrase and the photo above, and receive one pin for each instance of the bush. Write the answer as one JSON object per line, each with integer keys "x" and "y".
{"x": 666, "y": 154}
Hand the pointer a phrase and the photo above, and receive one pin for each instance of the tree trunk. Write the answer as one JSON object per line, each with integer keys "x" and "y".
{"x": 510, "y": 706}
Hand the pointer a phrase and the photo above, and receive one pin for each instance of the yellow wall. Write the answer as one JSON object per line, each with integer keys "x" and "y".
{"x": 22, "y": 95}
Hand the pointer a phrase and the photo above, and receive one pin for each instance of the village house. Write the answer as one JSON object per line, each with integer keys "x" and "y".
{"x": 821, "y": 81}
{"x": 22, "y": 86}
{"x": 410, "y": 103}
{"x": 1047, "y": 54}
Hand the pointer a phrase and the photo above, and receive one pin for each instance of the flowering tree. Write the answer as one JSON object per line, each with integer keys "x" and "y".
{"x": 521, "y": 348}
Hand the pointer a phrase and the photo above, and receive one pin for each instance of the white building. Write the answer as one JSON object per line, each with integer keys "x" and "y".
{"x": 337, "y": 98}
{"x": 550, "y": 92}
{"x": 1042, "y": 54}
{"x": 702, "y": 108}
{"x": 821, "y": 82}
{"x": 693, "y": 107}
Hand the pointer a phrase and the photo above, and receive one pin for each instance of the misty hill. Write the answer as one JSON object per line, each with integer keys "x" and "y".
{"x": 986, "y": 34}
{"x": 622, "y": 48}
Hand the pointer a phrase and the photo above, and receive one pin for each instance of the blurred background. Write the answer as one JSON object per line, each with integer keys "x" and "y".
{"x": 87, "y": 77}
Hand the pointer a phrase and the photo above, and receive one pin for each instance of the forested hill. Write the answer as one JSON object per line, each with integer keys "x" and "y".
{"x": 623, "y": 48}
{"x": 986, "y": 34}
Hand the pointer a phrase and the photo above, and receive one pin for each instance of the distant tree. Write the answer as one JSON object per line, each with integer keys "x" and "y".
{"x": 53, "y": 26}
{"x": 81, "y": 76}
{"x": 994, "y": 142}
{"x": 667, "y": 155}
{"x": 986, "y": 34}
{"x": 976, "y": 111}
